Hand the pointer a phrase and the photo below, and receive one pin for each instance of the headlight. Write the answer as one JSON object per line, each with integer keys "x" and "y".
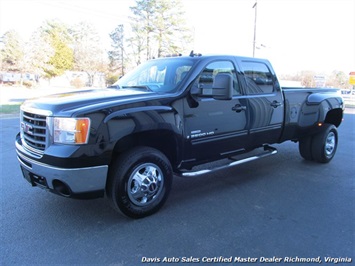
{"x": 71, "y": 130}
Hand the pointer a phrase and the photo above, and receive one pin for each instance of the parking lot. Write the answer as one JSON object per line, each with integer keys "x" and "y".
{"x": 278, "y": 207}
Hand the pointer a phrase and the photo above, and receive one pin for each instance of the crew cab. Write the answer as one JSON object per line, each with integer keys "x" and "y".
{"x": 169, "y": 117}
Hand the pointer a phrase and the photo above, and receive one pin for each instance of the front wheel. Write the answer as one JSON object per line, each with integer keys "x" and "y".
{"x": 139, "y": 182}
{"x": 324, "y": 144}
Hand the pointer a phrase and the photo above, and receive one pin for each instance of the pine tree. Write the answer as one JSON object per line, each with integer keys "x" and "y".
{"x": 158, "y": 28}
{"x": 116, "y": 55}
{"x": 63, "y": 56}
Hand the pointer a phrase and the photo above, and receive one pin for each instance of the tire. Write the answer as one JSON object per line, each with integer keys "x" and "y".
{"x": 324, "y": 144}
{"x": 305, "y": 148}
{"x": 139, "y": 182}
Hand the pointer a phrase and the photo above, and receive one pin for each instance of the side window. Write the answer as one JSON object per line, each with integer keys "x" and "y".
{"x": 258, "y": 77}
{"x": 206, "y": 78}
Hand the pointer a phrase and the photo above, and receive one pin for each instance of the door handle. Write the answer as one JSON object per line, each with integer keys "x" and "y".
{"x": 238, "y": 108}
{"x": 275, "y": 104}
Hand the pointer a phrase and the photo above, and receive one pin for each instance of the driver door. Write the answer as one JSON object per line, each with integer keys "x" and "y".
{"x": 215, "y": 128}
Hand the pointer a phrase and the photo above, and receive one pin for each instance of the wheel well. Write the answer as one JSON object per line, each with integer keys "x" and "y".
{"x": 163, "y": 140}
{"x": 334, "y": 117}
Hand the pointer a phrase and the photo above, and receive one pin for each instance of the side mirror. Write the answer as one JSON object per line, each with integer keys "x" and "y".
{"x": 195, "y": 89}
{"x": 222, "y": 88}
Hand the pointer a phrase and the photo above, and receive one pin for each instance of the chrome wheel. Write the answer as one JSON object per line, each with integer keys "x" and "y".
{"x": 139, "y": 182}
{"x": 324, "y": 144}
{"x": 330, "y": 144}
{"x": 145, "y": 184}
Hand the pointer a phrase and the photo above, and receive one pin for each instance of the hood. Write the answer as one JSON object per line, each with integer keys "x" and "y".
{"x": 69, "y": 102}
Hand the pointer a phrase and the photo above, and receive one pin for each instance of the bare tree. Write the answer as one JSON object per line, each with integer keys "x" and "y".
{"x": 12, "y": 52}
{"x": 38, "y": 52}
{"x": 88, "y": 54}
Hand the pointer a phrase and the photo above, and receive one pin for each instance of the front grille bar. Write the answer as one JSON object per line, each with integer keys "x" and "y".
{"x": 34, "y": 130}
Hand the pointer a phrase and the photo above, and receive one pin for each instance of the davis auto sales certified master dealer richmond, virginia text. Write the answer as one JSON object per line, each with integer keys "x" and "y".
{"x": 232, "y": 259}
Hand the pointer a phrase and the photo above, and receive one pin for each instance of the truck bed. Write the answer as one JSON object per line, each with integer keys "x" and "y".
{"x": 304, "y": 106}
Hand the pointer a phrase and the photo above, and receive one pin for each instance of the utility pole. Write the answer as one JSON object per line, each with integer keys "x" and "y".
{"x": 255, "y": 6}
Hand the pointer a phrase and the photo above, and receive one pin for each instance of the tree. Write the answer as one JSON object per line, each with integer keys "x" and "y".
{"x": 335, "y": 79}
{"x": 161, "y": 24}
{"x": 38, "y": 52}
{"x": 137, "y": 44}
{"x": 172, "y": 35}
{"x": 143, "y": 24}
{"x": 12, "y": 52}
{"x": 88, "y": 54}
{"x": 338, "y": 79}
{"x": 307, "y": 78}
{"x": 116, "y": 55}
{"x": 63, "y": 57}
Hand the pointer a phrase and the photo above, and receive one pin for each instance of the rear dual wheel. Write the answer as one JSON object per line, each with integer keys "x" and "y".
{"x": 139, "y": 182}
{"x": 320, "y": 147}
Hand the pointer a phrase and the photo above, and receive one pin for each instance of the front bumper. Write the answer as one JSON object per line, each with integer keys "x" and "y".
{"x": 84, "y": 182}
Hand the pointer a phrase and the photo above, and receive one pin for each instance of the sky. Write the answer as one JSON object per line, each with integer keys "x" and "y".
{"x": 295, "y": 35}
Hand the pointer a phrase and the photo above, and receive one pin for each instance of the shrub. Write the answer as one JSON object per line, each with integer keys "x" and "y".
{"x": 77, "y": 83}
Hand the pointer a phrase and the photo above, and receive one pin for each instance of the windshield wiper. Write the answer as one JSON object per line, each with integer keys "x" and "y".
{"x": 145, "y": 87}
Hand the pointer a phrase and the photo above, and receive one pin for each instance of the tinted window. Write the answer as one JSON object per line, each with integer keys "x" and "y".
{"x": 206, "y": 78}
{"x": 258, "y": 77}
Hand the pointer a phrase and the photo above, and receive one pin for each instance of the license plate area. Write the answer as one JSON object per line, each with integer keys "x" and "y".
{"x": 33, "y": 179}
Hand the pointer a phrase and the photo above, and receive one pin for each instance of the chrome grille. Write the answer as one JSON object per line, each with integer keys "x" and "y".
{"x": 33, "y": 127}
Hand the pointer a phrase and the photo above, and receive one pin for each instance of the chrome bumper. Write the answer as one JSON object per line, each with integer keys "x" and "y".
{"x": 75, "y": 180}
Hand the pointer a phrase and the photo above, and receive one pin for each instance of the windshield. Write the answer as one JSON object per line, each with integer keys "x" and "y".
{"x": 159, "y": 75}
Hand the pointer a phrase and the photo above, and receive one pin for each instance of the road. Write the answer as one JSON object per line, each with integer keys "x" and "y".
{"x": 280, "y": 206}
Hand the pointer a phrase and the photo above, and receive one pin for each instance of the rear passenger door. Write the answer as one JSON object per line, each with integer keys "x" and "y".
{"x": 265, "y": 102}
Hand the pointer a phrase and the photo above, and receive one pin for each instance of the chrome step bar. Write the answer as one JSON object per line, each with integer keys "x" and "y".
{"x": 268, "y": 150}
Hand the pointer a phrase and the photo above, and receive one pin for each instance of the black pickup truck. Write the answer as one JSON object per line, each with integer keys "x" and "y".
{"x": 169, "y": 116}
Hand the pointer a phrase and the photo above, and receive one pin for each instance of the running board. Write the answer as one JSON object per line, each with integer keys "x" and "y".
{"x": 268, "y": 150}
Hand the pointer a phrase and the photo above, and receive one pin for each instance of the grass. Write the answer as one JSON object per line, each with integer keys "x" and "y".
{"x": 10, "y": 109}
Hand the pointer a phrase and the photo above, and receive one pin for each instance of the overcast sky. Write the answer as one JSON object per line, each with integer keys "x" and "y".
{"x": 294, "y": 35}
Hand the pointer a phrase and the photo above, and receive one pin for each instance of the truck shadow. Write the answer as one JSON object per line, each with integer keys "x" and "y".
{"x": 226, "y": 184}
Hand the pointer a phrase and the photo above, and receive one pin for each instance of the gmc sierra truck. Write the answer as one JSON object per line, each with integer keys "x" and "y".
{"x": 169, "y": 116}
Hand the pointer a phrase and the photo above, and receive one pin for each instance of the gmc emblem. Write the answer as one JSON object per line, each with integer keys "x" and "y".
{"x": 26, "y": 128}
